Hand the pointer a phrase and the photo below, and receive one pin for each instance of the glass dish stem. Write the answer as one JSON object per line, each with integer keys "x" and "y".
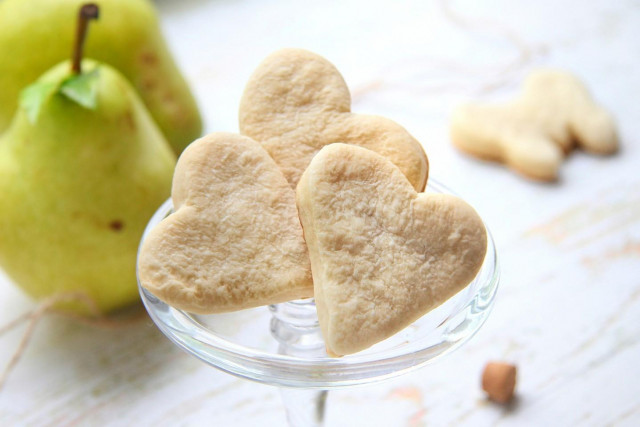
{"x": 295, "y": 326}
{"x": 304, "y": 407}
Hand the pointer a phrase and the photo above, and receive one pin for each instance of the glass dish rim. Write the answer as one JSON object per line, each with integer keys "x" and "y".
{"x": 279, "y": 369}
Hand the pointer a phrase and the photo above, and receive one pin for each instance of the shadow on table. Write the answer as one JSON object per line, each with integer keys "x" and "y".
{"x": 512, "y": 406}
{"x": 508, "y": 409}
{"x": 70, "y": 356}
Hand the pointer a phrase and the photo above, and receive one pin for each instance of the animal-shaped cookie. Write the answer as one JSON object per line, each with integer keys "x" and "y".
{"x": 381, "y": 254}
{"x": 533, "y": 133}
{"x": 296, "y": 102}
{"x": 234, "y": 240}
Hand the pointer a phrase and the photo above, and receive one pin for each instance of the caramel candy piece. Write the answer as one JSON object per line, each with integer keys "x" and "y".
{"x": 499, "y": 381}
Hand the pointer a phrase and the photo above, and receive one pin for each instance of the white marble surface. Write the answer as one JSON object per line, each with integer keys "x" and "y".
{"x": 568, "y": 311}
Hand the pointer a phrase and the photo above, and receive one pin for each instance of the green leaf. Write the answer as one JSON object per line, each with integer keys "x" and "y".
{"x": 82, "y": 88}
{"x": 34, "y": 96}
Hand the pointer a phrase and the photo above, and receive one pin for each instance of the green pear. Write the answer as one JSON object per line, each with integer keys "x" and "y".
{"x": 83, "y": 166}
{"x": 37, "y": 34}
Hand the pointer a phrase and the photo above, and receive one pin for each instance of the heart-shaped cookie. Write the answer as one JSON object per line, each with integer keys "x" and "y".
{"x": 296, "y": 102}
{"x": 381, "y": 254}
{"x": 234, "y": 240}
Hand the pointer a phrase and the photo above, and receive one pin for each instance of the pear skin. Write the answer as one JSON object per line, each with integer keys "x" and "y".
{"x": 77, "y": 188}
{"x": 35, "y": 35}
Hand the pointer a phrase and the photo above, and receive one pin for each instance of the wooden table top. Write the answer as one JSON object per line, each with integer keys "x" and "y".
{"x": 568, "y": 309}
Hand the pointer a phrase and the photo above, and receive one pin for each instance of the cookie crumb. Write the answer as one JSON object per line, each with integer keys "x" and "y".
{"x": 499, "y": 381}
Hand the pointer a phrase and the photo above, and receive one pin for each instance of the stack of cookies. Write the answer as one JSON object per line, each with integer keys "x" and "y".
{"x": 311, "y": 200}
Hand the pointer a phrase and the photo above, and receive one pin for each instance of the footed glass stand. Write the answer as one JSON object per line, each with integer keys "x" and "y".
{"x": 281, "y": 345}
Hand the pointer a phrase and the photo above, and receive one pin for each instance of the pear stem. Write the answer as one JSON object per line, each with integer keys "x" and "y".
{"x": 87, "y": 12}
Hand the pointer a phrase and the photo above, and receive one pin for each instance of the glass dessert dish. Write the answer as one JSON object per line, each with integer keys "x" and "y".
{"x": 281, "y": 344}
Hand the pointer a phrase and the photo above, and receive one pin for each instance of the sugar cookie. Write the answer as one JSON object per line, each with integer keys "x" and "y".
{"x": 532, "y": 133}
{"x": 381, "y": 254}
{"x": 234, "y": 240}
{"x": 296, "y": 102}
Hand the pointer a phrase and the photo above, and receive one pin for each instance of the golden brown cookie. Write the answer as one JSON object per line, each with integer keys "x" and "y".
{"x": 234, "y": 240}
{"x": 532, "y": 133}
{"x": 296, "y": 102}
{"x": 381, "y": 254}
